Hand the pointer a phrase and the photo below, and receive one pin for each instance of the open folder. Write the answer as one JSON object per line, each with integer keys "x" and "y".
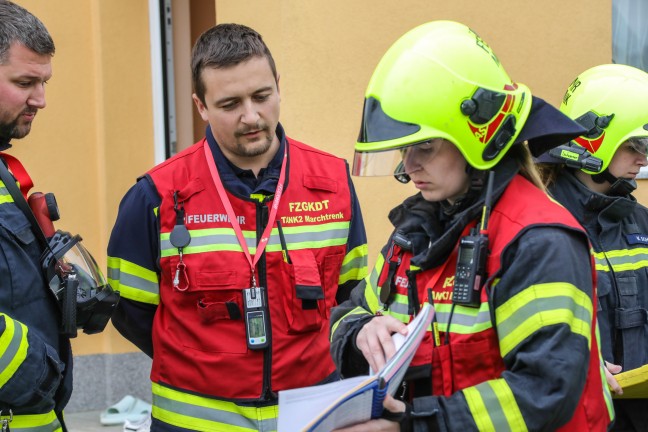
{"x": 634, "y": 383}
{"x": 353, "y": 400}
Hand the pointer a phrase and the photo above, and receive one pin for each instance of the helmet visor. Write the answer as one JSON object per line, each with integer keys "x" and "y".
{"x": 638, "y": 145}
{"x": 395, "y": 161}
{"x": 78, "y": 261}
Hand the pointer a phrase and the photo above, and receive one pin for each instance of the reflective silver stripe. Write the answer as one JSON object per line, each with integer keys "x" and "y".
{"x": 25, "y": 423}
{"x": 542, "y": 305}
{"x": 229, "y": 241}
{"x": 12, "y": 348}
{"x": 315, "y": 236}
{"x": 397, "y": 307}
{"x": 219, "y": 239}
{"x": 493, "y": 407}
{"x": 132, "y": 281}
{"x": 55, "y": 426}
{"x": 5, "y": 196}
{"x": 628, "y": 261}
{"x": 201, "y": 413}
{"x": 458, "y": 318}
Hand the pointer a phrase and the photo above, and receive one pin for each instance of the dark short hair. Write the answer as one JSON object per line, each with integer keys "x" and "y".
{"x": 226, "y": 45}
{"x": 18, "y": 25}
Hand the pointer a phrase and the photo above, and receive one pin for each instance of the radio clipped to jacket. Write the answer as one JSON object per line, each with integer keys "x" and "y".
{"x": 471, "y": 269}
{"x": 470, "y": 274}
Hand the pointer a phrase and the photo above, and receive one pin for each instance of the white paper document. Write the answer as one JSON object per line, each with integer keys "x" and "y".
{"x": 354, "y": 400}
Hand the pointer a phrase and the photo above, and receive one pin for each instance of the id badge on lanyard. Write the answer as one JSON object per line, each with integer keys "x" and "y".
{"x": 256, "y": 311}
{"x": 256, "y": 318}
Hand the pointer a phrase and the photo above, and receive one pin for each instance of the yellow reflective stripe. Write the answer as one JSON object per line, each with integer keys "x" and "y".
{"x": 35, "y": 423}
{"x": 399, "y": 308}
{"x": 354, "y": 266}
{"x": 225, "y": 239}
{"x": 606, "y": 389}
{"x": 372, "y": 290}
{"x": 601, "y": 267}
{"x": 13, "y": 348}
{"x": 5, "y": 196}
{"x": 357, "y": 311}
{"x": 622, "y": 259}
{"x": 620, "y": 253}
{"x": 540, "y": 306}
{"x": 200, "y": 413}
{"x": 494, "y": 408}
{"x": 134, "y": 282}
{"x": 465, "y": 320}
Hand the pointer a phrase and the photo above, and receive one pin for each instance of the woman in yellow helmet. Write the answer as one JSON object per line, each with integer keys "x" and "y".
{"x": 611, "y": 102}
{"x": 513, "y": 346}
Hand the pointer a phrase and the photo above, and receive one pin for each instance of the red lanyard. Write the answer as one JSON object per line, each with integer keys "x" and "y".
{"x": 19, "y": 172}
{"x": 232, "y": 217}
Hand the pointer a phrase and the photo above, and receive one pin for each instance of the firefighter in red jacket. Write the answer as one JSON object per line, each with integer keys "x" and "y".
{"x": 513, "y": 345}
{"x": 231, "y": 254}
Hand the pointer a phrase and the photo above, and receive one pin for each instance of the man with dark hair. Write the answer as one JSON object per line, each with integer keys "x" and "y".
{"x": 35, "y": 359}
{"x": 230, "y": 254}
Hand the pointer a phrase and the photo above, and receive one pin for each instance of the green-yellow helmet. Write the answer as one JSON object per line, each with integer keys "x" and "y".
{"x": 439, "y": 80}
{"x": 611, "y": 102}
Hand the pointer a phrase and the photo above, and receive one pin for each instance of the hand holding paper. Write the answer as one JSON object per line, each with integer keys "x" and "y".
{"x": 376, "y": 340}
{"x": 354, "y": 400}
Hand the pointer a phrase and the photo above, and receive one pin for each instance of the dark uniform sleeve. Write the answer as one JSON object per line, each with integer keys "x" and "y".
{"x": 348, "y": 318}
{"x": 133, "y": 252}
{"x": 354, "y": 266}
{"x": 542, "y": 307}
{"x": 30, "y": 369}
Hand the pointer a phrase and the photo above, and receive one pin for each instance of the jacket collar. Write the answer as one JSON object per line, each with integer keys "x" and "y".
{"x": 234, "y": 178}
{"x": 433, "y": 235}
{"x": 586, "y": 204}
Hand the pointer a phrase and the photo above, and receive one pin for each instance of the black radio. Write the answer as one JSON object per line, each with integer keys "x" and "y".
{"x": 470, "y": 274}
{"x": 471, "y": 269}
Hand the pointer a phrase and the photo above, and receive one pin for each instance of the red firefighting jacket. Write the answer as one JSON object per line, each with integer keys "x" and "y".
{"x": 466, "y": 346}
{"x": 199, "y": 332}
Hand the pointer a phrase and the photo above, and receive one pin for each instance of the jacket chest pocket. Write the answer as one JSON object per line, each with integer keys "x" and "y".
{"x": 461, "y": 365}
{"x": 208, "y": 315}
{"x": 308, "y": 293}
{"x": 21, "y": 267}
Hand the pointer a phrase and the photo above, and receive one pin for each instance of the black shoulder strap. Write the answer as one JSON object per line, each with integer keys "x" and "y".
{"x": 21, "y": 202}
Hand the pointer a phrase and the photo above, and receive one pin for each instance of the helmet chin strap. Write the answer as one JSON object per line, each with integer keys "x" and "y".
{"x": 477, "y": 180}
{"x": 619, "y": 186}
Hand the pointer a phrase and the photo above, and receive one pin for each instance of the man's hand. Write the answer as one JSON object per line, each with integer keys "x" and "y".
{"x": 375, "y": 342}
{"x": 609, "y": 370}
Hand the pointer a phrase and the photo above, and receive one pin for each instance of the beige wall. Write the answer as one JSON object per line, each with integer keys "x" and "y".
{"x": 96, "y": 135}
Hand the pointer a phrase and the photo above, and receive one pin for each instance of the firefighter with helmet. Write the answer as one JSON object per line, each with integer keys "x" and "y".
{"x": 513, "y": 345}
{"x": 611, "y": 102}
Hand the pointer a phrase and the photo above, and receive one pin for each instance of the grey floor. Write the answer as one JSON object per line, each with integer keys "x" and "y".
{"x": 88, "y": 421}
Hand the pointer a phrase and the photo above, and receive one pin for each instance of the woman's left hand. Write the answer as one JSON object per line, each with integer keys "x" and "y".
{"x": 383, "y": 425}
